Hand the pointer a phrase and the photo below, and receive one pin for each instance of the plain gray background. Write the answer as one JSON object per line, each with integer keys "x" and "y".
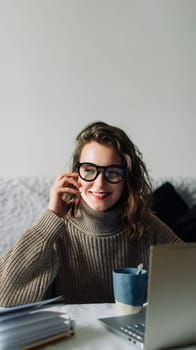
{"x": 65, "y": 63}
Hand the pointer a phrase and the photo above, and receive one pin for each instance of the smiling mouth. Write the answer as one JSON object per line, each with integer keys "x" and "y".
{"x": 100, "y": 195}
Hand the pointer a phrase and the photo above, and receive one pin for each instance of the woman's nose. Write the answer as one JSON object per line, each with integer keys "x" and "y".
{"x": 100, "y": 178}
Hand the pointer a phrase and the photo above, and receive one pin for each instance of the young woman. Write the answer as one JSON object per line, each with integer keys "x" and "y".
{"x": 99, "y": 218}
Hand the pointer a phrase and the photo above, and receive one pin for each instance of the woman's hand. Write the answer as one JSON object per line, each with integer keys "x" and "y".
{"x": 64, "y": 187}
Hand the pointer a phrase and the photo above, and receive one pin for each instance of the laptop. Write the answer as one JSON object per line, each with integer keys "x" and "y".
{"x": 169, "y": 319}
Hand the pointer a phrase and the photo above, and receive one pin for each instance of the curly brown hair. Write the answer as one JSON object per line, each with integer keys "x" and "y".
{"x": 137, "y": 193}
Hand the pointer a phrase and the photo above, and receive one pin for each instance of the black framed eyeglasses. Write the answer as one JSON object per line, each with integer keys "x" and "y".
{"x": 112, "y": 173}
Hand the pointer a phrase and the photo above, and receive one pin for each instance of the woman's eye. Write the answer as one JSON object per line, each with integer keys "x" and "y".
{"x": 88, "y": 170}
{"x": 113, "y": 173}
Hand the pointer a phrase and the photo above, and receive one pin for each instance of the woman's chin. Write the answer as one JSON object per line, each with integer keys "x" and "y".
{"x": 98, "y": 206}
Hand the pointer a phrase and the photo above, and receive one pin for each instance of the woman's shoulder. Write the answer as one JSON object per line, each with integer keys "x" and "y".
{"x": 161, "y": 232}
{"x": 155, "y": 221}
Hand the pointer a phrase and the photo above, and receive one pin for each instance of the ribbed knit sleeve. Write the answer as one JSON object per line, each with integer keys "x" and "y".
{"x": 29, "y": 267}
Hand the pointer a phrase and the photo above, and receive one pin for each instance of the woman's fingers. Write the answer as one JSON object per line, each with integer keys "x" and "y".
{"x": 67, "y": 181}
{"x": 64, "y": 188}
{"x": 67, "y": 193}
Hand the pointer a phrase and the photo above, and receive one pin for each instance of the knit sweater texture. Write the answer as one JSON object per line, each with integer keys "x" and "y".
{"x": 75, "y": 257}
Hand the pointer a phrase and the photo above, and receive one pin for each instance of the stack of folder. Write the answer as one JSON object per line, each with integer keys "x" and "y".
{"x": 28, "y": 326}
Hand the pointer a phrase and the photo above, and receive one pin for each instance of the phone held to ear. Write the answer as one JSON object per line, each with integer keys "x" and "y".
{"x": 73, "y": 205}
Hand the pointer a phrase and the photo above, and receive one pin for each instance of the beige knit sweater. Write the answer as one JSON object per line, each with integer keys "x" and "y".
{"x": 75, "y": 258}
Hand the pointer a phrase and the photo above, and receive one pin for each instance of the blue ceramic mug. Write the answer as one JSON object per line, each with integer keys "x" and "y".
{"x": 130, "y": 288}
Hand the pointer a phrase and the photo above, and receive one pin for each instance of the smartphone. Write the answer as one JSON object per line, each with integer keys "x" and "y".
{"x": 73, "y": 205}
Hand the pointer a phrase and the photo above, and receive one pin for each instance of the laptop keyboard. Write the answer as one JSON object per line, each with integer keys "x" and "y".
{"x": 134, "y": 330}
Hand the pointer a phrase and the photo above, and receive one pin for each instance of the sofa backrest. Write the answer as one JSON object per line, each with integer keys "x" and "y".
{"x": 23, "y": 199}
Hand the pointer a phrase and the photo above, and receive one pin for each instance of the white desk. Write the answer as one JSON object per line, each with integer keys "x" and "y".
{"x": 90, "y": 334}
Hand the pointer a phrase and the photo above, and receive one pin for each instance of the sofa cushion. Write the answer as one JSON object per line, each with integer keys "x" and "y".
{"x": 168, "y": 205}
{"x": 185, "y": 226}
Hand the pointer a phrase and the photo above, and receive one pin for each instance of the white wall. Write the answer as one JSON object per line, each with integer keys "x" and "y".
{"x": 65, "y": 63}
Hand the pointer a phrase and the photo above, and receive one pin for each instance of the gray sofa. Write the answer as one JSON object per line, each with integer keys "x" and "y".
{"x": 23, "y": 199}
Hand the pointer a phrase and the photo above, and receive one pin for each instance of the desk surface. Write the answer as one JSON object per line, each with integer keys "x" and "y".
{"x": 90, "y": 334}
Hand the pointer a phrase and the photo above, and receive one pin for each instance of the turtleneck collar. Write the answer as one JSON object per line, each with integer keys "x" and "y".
{"x": 98, "y": 223}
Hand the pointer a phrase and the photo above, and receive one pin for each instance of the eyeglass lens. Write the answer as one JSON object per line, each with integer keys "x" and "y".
{"x": 89, "y": 172}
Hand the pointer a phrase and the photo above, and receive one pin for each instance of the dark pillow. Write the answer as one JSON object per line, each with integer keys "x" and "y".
{"x": 168, "y": 205}
{"x": 185, "y": 227}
